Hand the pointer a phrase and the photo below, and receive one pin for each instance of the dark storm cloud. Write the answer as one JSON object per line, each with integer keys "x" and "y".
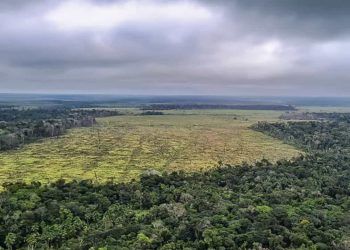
{"x": 233, "y": 47}
{"x": 321, "y": 19}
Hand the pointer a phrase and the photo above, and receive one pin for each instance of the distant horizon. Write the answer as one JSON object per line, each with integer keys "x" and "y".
{"x": 82, "y": 93}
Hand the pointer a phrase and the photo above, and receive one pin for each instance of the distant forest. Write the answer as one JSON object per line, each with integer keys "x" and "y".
{"x": 20, "y": 126}
{"x": 216, "y": 106}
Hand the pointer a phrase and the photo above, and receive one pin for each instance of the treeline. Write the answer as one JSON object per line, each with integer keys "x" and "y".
{"x": 20, "y": 126}
{"x": 151, "y": 112}
{"x": 37, "y": 114}
{"x": 309, "y": 135}
{"x": 340, "y": 117}
{"x": 215, "y": 106}
{"x": 301, "y": 204}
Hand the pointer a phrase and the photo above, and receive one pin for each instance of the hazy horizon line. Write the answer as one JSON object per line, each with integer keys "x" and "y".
{"x": 84, "y": 93}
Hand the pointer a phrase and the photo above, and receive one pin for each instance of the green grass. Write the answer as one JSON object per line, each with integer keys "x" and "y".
{"x": 121, "y": 147}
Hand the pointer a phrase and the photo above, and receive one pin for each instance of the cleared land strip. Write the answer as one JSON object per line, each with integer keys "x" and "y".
{"x": 119, "y": 148}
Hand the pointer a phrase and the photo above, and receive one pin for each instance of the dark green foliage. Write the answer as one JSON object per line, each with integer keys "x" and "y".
{"x": 310, "y": 135}
{"x": 19, "y": 126}
{"x": 29, "y": 115}
{"x": 304, "y": 203}
{"x": 152, "y": 112}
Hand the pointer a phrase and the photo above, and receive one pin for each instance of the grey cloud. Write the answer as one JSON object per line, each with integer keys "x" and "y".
{"x": 318, "y": 19}
{"x": 250, "y": 47}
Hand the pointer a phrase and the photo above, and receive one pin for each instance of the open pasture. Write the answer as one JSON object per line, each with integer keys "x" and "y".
{"x": 121, "y": 147}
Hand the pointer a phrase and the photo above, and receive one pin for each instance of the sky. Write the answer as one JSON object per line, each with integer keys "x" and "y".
{"x": 175, "y": 47}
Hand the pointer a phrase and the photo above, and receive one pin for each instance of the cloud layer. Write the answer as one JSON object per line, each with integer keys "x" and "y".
{"x": 249, "y": 47}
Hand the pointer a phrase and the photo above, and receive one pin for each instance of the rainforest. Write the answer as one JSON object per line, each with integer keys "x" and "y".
{"x": 174, "y": 179}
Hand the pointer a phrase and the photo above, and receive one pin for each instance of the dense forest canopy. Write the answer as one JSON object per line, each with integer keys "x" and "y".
{"x": 299, "y": 204}
{"x": 331, "y": 132}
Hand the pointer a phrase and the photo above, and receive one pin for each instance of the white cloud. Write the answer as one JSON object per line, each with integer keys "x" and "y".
{"x": 83, "y": 15}
{"x": 251, "y": 59}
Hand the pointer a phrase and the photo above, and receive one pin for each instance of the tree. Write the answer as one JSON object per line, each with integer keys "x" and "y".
{"x": 10, "y": 240}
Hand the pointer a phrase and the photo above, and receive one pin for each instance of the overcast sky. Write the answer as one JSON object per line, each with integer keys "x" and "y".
{"x": 223, "y": 47}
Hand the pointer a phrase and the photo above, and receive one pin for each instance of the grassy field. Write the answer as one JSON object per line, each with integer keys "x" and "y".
{"x": 119, "y": 148}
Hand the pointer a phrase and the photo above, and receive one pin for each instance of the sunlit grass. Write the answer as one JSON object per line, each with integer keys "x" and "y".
{"x": 121, "y": 147}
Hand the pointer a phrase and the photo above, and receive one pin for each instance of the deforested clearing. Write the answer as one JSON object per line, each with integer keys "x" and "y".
{"x": 120, "y": 148}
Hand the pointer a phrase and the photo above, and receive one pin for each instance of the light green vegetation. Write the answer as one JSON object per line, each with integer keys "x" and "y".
{"x": 247, "y": 115}
{"x": 120, "y": 147}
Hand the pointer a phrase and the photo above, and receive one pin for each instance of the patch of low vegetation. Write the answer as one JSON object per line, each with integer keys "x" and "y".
{"x": 120, "y": 148}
